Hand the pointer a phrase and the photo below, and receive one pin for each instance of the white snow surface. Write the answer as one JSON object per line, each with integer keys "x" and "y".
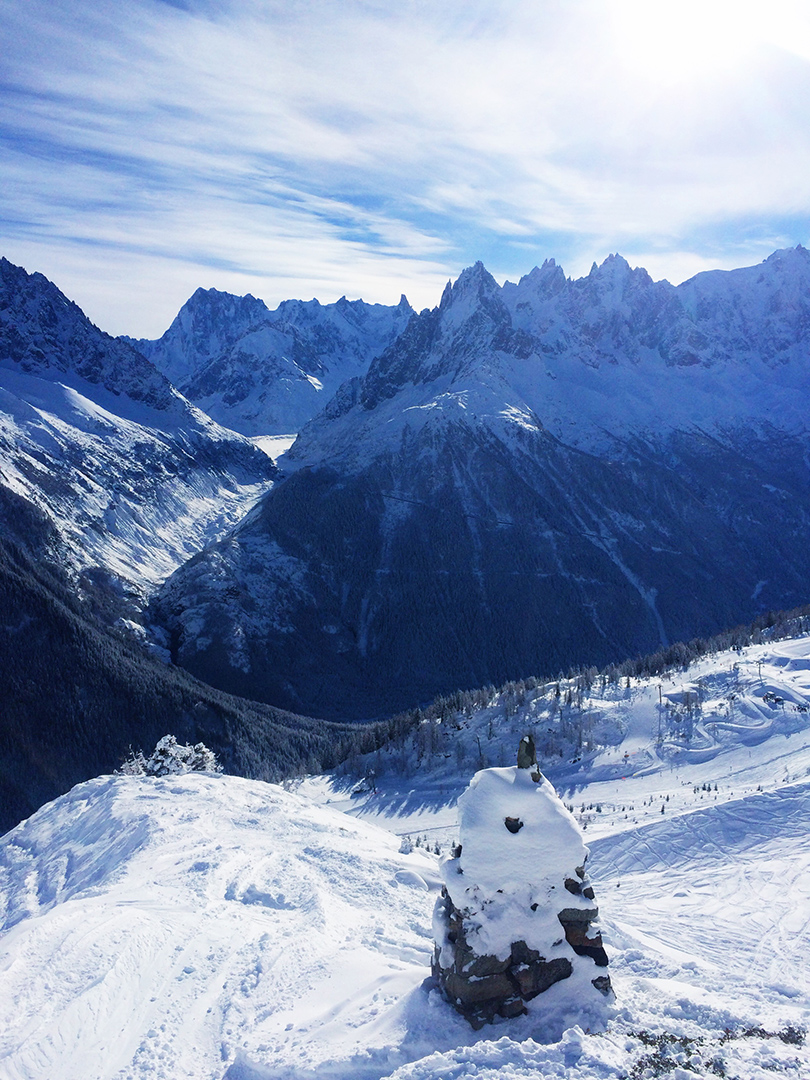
{"x": 213, "y": 927}
{"x": 178, "y": 926}
{"x": 275, "y": 446}
{"x": 547, "y": 848}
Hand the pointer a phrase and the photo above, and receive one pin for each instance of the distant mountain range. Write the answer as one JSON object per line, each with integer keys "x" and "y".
{"x": 109, "y": 479}
{"x": 524, "y": 478}
{"x": 266, "y": 372}
{"x": 530, "y": 476}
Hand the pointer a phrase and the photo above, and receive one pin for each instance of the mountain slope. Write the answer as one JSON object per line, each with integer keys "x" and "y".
{"x": 531, "y": 476}
{"x": 134, "y": 477}
{"x": 76, "y": 697}
{"x": 215, "y": 927}
{"x": 240, "y": 907}
{"x": 266, "y": 372}
{"x": 731, "y": 714}
{"x": 109, "y": 479}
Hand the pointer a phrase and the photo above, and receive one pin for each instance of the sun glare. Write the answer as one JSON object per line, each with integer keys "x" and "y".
{"x": 680, "y": 40}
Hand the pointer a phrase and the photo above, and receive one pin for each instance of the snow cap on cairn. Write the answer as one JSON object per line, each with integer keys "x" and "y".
{"x": 514, "y": 831}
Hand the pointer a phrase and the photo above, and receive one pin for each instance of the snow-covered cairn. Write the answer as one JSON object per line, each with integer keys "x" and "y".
{"x": 516, "y": 913}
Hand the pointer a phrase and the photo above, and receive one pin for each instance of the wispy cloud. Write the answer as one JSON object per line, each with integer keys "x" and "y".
{"x": 302, "y": 147}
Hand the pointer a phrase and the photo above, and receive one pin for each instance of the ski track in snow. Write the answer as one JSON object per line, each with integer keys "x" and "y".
{"x": 224, "y": 929}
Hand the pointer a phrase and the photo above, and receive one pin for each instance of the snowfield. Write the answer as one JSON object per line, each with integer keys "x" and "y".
{"x": 207, "y": 926}
{"x": 178, "y": 926}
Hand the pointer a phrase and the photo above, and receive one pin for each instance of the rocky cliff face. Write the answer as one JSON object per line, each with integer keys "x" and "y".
{"x": 529, "y": 476}
{"x": 266, "y": 372}
{"x": 42, "y": 333}
{"x": 133, "y": 477}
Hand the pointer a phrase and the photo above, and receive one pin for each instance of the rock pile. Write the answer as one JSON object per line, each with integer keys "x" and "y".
{"x": 517, "y": 912}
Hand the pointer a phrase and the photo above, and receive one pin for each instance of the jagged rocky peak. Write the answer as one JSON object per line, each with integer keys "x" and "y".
{"x": 545, "y": 281}
{"x": 535, "y": 294}
{"x": 267, "y": 372}
{"x": 515, "y": 919}
{"x": 207, "y": 325}
{"x": 788, "y": 260}
{"x": 755, "y": 313}
{"x": 210, "y": 309}
{"x": 438, "y": 341}
{"x": 41, "y": 330}
{"x": 474, "y": 294}
{"x": 615, "y": 276}
{"x": 615, "y": 265}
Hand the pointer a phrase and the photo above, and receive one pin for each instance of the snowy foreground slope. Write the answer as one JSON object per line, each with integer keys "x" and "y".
{"x": 213, "y": 927}
{"x": 172, "y": 927}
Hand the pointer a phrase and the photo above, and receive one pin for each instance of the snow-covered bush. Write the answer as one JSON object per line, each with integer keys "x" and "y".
{"x": 170, "y": 756}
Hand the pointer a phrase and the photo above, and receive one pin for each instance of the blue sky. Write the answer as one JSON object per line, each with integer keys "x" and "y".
{"x": 299, "y": 148}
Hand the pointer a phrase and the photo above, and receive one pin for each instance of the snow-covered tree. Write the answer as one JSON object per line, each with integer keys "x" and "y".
{"x": 170, "y": 756}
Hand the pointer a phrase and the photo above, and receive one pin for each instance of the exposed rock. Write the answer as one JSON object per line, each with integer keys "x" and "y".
{"x": 527, "y": 755}
{"x": 497, "y": 922}
{"x": 583, "y": 941}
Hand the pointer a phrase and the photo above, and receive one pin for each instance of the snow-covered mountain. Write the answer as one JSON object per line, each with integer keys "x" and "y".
{"x": 109, "y": 479}
{"x": 214, "y": 927}
{"x": 266, "y": 372}
{"x": 78, "y": 691}
{"x": 134, "y": 477}
{"x": 531, "y": 476}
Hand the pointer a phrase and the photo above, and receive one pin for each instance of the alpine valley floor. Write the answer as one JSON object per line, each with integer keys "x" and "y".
{"x": 212, "y": 927}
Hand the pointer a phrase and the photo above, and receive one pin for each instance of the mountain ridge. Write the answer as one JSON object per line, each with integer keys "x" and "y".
{"x": 134, "y": 476}
{"x": 508, "y": 487}
{"x": 266, "y": 372}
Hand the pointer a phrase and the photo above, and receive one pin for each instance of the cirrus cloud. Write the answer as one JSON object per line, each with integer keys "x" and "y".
{"x": 307, "y": 148}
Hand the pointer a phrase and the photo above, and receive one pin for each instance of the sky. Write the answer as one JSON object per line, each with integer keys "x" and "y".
{"x": 300, "y": 148}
